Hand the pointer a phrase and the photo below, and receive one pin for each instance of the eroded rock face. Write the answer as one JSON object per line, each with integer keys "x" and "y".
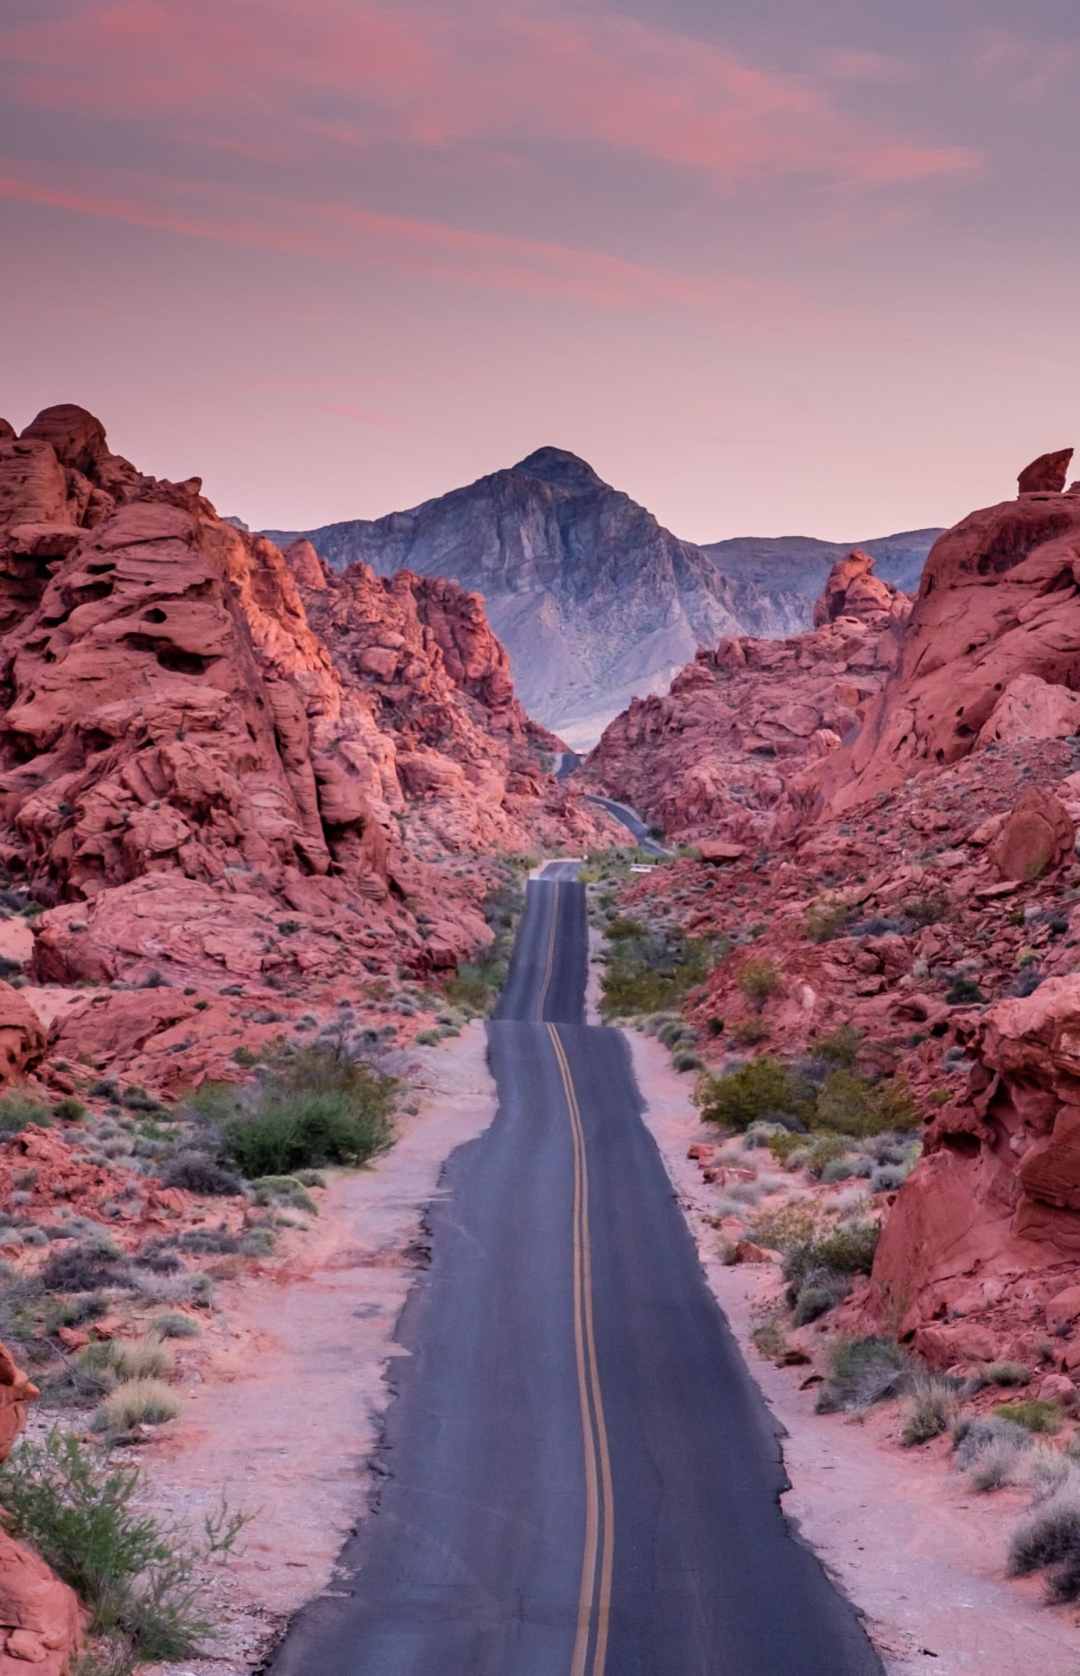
{"x": 987, "y": 1224}
{"x": 40, "y": 1619}
{"x": 186, "y": 762}
{"x": 997, "y": 606}
{"x": 720, "y": 755}
{"x": 1047, "y": 474}
{"x": 1035, "y": 839}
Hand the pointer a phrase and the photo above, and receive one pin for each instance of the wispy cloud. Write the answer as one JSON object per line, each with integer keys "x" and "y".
{"x": 434, "y": 76}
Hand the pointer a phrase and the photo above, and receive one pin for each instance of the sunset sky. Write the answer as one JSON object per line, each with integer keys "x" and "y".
{"x": 771, "y": 266}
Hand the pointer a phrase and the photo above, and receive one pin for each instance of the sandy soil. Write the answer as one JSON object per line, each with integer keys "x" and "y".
{"x": 284, "y": 1396}
{"x": 919, "y": 1554}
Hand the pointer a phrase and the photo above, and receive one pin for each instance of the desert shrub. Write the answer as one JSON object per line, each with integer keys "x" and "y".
{"x": 847, "y": 1249}
{"x": 921, "y": 911}
{"x": 320, "y": 1107}
{"x": 761, "y": 1088}
{"x": 287, "y": 1190}
{"x": 653, "y": 972}
{"x": 209, "y": 1242}
{"x": 821, "y": 1291}
{"x": 1006, "y": 1373}
{"x": 18, "y": 1109}
{"x": 851, "y": 1105}
{"x": 1050, "y": 1536}
{"x": 887, "y": 1178}
{"x": 839, "y": 1046}
{"x": 136, "y": 1402}
{"x": 785, "y": 1228}
{"x": 69, "y": 1109}
{"x": 1047, "y": 1470}
{"x": 136, "y": 1575}
{"x": 85, "y": 1267}
{"x": 783, "y": 1143}
{"x": 862, "y": 1371}
{"x": 768, "y": 1336}
{"x": 827, "y": 919}
{"x": 930, "y": 1409}
{"x": 964, "y": 992}
{"x": 759, "y": 979}
{"x": 428, "y": 1038}
{"x": 72, "y": 1312}
{"x": 837, "y": 1169}
{"x": 1033, "y": 1414}
{"x": 822, "y": 1152}
{"x": 175, "y": 1325}
{"x": 997, "y": 1465}
{"x": 213, "y": 1102}
{"x": 198, "y": 1172}
{"x": 686, "y": 1061}
{"x": 620, "y": 929}
{"x": 972, "y": 1438}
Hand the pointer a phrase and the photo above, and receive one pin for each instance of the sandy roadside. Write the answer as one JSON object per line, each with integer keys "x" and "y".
{"x": 918, "y": 1553}
{"x": 286, "y": 1410}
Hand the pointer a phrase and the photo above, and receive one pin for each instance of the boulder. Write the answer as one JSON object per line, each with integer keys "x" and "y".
{"x": 1046, "y": 475}
{"x": 1035, "y": 839}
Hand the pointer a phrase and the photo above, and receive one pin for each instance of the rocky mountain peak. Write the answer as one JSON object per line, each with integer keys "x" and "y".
{"x": 560, "y": 469}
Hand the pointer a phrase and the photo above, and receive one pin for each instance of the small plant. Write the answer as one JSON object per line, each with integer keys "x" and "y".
{"x": 319, "y": 1108}
{"x": 69, "y": 1109}
{"x": 931, "y": 1409}
{"x": 785, "y": 1229}
{"x": 18, "y": 1110}
{"x": 921, "y": 911}
{"x": 964, "y": 992}
{"x": 840, "y": 1046}
{"x": 137, "y": 1402}
{"x": 783, "y": 1144}
{"x": 175, "y": 1325}
{"x": 768, "y": 1336}
{"x": 1051, "y": 1537}
{"x": 759, "y": 979}
{"x": 827, "y": 919}
{"x": 1033, "y": 1414}
{"x": 1007, "y": 1373}
{"x": 85, "y": 1267}
{"x": 821, "y": 1291}
{"x": 198, "y": 1172}
{"x": 136, "y": 1575}
{"x": 862, "y": 1371}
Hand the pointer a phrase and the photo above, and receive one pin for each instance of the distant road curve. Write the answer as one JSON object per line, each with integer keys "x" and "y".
{"x": 565, "y": 766}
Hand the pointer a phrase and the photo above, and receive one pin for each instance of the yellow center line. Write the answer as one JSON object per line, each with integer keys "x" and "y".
{"x": 598, "y": 1516}
{"x": 545, "y": 982}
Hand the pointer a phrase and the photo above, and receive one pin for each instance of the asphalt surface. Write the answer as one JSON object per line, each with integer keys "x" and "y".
{"x": 580, "y": 1476}
{"x": 632, "y": 822}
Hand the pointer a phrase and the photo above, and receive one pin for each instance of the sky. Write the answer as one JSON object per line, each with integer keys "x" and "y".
{"x": 771, "y": 267}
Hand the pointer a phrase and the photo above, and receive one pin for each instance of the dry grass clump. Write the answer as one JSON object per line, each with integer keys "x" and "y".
{"x": 137, "y": 1402}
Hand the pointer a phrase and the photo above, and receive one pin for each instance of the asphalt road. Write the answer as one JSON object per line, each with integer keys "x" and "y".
{"x": 632, "y": 822}
{"x": 580, "y": 1476}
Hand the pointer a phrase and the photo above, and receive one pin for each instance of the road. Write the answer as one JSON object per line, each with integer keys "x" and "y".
{"x": 581, "y": 1478}
{"x": 633, "y": 823}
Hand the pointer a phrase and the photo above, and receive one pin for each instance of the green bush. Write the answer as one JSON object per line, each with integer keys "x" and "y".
{"x": 839, "y": 1046}
{"x": 174, "y": 1325}
{"x": 759, "y": 979}
{"x": 69, "y": 1109}
{"x": 761, "y": 1088}
{"x": 1051, "y": 1536}
{"x": 783, "y": 1144}
{"x": 319, "y": 1108}
{"x": 653, "y": 972}
{"x": 17, "y": 1110}
{"x": 851, "y": 1105}
{"x": 847, "y": 1249}
{"x": 135, "y": 1574}
{"x": 1033, "y": 1414}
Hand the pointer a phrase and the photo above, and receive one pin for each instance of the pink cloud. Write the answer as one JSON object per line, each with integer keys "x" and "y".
{"x": 1025, "y": 69}
{"x": 340, "y": 231}
{"x": 429, "y": 77}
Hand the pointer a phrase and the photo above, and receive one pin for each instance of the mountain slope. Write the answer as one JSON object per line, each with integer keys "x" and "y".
{"x": 595, "y": 601}
{"x": 593, "y": 598}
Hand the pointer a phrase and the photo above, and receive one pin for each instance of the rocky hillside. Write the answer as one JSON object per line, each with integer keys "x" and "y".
{"x": 233, "y": 784}
{"x": 912, "y": 895}
{"x": 787, "y": 573}
{"x": 714, "y": 758}
{"x": 596, "y": 602}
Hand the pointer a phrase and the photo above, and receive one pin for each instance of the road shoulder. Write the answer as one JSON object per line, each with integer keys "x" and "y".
{"x": 896, "y": 1534}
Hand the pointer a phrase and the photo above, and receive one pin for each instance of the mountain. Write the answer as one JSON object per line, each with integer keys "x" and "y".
{"x": 595, "y": 601}
{"x": 788, "y": 572}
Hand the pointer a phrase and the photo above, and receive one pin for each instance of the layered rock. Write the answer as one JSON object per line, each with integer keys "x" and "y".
{"x": 185, "y": 763}
{"x": 717, "y": 755}
{"x": 992, "y": 651}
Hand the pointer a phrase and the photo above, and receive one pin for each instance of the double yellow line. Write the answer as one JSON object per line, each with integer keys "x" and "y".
{"x": 598, "y": 1558}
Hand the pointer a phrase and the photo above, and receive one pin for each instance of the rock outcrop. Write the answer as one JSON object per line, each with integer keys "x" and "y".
{"x": 992, "y": 650}
{"x": 1046, "y": 475}
{"x": 40, "y": 1620}
{"x": 716, "y": 757}
{"x": 186, "y": 762}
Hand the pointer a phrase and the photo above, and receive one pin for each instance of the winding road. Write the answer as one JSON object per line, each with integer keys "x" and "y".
{"x": 581, "y": 1478}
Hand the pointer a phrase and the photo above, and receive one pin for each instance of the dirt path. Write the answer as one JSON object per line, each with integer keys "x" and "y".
{"x": 917, "y": 1551}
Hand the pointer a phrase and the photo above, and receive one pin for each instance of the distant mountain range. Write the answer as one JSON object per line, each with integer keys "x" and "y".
{"x": 594, "y": 600}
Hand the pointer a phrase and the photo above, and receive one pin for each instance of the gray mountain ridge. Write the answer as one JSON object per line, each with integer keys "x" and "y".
{"x": 594, "y": 600}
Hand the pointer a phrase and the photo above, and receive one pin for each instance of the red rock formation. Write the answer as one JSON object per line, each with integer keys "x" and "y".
{"x": 40, "y": 1619}
{"x": 987, "y": 1226}
{"x": 719, "y": 753}
{"x": 1035, "y": 838}
{"x": 996, "y": 612}
{"x": 1046, "y": 475}
{"x": 182, "y": 757}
